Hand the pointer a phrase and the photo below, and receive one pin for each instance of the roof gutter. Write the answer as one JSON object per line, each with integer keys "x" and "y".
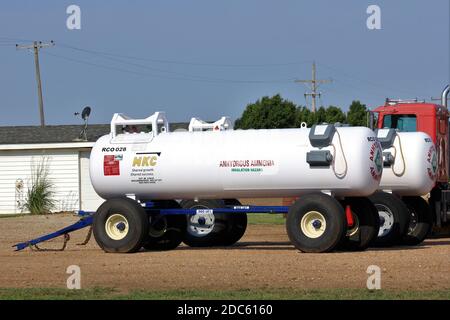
{"x": 35, "y": 146}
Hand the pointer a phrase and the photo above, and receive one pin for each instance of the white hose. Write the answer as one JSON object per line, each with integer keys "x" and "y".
{"x": 402, "y": 157}
{"x": 344, "y": 173}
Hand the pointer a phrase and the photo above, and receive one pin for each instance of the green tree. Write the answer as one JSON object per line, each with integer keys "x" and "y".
{"x": 320, "y": 116}
{"x": 357, "y": 114}
{"x": 334, "y": 114}
{"x": 268, "y": 112}
{"x": 331, "y": 114}
{"x": 303, "y": 115}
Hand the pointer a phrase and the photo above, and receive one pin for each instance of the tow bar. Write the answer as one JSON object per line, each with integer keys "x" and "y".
{"x": 85, "y": 221}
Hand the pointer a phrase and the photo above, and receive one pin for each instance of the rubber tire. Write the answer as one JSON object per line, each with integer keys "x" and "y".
{"x": 424, "y": 224}
{"x": 220, "y": 224}
{"x": 137, "y": 223}
{"x": 335, "y": 220}
{"x": 369, "y": 224}
{"x": 401, "y": 218}
{"x": 236, "y": 226}
{"x": 176, "y": 227}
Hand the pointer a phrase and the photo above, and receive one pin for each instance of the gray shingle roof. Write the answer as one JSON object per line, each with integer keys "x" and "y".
{"x": 58, "y": 134}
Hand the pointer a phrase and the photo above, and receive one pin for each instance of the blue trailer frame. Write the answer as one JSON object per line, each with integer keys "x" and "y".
{"x": 87, "y": 218}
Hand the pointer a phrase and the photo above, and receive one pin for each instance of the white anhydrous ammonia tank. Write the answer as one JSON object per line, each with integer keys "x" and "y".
{"x": 234, "y": 163}
{"x": 410, "y": 162}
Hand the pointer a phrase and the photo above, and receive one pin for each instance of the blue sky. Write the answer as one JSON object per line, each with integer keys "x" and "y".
{"x": 211, "y": 58}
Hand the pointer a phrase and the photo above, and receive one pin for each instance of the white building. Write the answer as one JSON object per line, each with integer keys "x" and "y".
{"x": 24, "y": 147}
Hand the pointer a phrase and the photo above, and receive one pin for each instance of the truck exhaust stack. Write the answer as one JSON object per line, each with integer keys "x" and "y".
{"x": 445, "y": 95}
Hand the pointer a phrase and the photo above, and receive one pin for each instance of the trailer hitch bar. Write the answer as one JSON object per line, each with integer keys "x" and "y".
{"x": 84, "y": 222}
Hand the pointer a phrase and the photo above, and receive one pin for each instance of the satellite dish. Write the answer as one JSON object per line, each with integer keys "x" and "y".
{"x": 85, "y": 116}
{"x": 85, "y": 113}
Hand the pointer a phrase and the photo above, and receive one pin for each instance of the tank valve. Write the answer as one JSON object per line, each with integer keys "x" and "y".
{"x": 388, "y": 159}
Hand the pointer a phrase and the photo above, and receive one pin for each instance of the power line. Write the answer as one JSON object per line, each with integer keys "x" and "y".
{"x": 359, "y": 95}
{"x": 113, "y": 68}
{"x": 36, "y": 46}
{"x": 184, "y": 77}
{"x": 185, "y": 62}
{"x": 371, "y": 83}
{"x": 165, "y": 61}
{"x": 97, "y": 52}
{"x": 114, "y": 57}
{"x": 314, "y": 86}
{"x": 15, "y": 39}
{"x": 177, "y": 73}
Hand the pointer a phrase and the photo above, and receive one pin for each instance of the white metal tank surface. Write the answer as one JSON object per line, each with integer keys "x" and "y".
{"x": 410, "y": 162}
{"x": 233, "y": 163}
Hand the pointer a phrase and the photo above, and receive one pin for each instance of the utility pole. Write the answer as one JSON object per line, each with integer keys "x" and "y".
{"x": 314, "y": 86}
{"x": 36, "y": 46}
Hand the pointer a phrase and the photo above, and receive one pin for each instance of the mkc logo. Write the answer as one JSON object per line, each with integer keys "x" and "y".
{"x": 146, "y": 161}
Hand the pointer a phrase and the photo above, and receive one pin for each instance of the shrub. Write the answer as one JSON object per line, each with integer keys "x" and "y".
{"x": 40, "y": 195}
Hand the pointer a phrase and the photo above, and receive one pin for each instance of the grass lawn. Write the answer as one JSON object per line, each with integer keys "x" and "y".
{"x": 266, "y": 218}
{"x": 13, "y": 215}
{"x": 276, "y": 294}
{"x": 253, "y": 218}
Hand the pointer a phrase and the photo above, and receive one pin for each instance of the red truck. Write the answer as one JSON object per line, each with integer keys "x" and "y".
{"x": 433, "y": 119}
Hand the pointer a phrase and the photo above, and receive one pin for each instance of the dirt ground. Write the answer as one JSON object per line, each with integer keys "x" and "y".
{"x": 262, "y": 259}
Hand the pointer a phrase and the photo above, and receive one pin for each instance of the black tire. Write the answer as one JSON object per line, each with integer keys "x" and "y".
{"x": 421, "y": 220}
{"x": 366, "y": 224}
{"x": 135, "y": 217}
{"x": 389, "y": 205}
{"x": 331, "y": 212}
{"x": 236, "y": 226}
{"x": 214, "y": 237}
{"x": 166, "y": 232}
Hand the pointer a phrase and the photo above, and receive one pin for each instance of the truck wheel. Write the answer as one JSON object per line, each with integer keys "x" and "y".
{"x": 366, "y": 224}
{"x": 236, "y": 226}
{"x": 316, "y": 223}
{"x": 421, "y": 220}
{"x": 120, "y": 225}
{"x": 204, "y": 229}
{"x": 165, "y": 232}
{"x": 394, "y": 218}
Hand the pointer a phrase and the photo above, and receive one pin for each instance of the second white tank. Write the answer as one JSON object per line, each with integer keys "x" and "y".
{"x": 410, "y": 162}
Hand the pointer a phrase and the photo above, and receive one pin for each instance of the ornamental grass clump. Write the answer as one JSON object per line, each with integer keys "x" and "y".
{"x": 40, "y": 194}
